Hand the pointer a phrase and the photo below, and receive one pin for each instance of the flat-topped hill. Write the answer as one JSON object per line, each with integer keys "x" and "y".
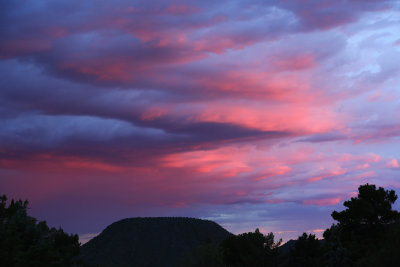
{"x": 161, "y": 241}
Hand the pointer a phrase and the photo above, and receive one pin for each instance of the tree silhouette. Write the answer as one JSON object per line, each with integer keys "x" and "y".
{"x": 363, "y": 227}
{"x": 26, "y": 242}
{"x": 371, "y": 207}
{"x": 335, "y": 254}
{"x": 305, "y": 252}
{"x": 250, "y": 249}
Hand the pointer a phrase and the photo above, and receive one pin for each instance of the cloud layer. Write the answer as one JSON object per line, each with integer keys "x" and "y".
{"x": 251, "y": 114}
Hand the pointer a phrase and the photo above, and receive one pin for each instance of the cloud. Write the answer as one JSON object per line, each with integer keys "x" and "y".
{"x": 252, "y": 114}
{"x": 393, "y": 163}
{"x": 322, "y": 202}
{"x": 324, "y": 15}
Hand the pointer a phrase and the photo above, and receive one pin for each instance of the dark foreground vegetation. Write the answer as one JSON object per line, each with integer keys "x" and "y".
{"x": 26, "y": 242}
{"x": 366, "y": 233}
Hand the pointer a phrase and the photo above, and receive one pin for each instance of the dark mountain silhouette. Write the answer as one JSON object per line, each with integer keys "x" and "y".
{"x": 163, "y": 241}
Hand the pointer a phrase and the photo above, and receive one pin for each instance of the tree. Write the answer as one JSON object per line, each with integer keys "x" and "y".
{"x": 372, "y": 207}
{"x": 364, "y": 226}
{"x": 306, "y": 251}
{"x": 26, "y": 242}
{"x": 250, "y": 249}
{"x": 208, "y": 254}
{"x": 335, "y": 254}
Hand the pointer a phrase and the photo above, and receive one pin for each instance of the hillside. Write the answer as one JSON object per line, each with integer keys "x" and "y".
{"x": 159, "y": 241}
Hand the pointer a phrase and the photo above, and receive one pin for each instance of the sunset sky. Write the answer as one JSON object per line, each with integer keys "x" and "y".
{"x": 263, "y": 114}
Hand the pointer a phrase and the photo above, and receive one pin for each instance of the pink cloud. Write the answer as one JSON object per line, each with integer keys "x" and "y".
{"x": 54, "y": 163}
{"x": 363, "y": 166}
{"x": 274, "y": 171}
{"x": 393, "y": 163}
{"x": 334, "y": 172}
{"x": 367, "y": 158}
{"x": 317, "y": 230}
{"x": 322, "y": 202}
{"x": 227, "y": 161}
{"x": 297, "y": 118}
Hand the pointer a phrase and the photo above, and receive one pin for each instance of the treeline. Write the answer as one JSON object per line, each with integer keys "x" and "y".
{"x": 367, "y": 233}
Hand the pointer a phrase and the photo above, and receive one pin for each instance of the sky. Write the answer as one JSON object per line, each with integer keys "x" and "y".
{"x": 253, "y": 114}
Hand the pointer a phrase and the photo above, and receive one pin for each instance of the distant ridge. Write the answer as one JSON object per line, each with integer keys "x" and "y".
{"x": 151, "y": 241}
